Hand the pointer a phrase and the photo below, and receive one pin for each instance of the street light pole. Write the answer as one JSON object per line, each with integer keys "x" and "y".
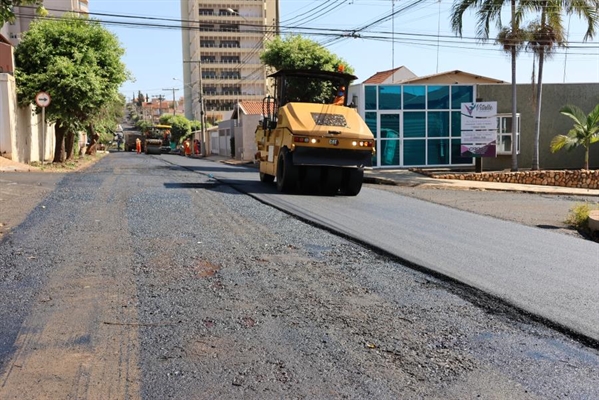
{"x": 202, "y": 108}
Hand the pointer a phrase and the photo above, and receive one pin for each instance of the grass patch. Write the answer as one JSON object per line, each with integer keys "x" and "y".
{"x": 579, "y": 216}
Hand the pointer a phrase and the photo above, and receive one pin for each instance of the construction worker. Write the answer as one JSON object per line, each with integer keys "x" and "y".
{"x": 196, "y": 147}
{"x": 138, "y": 145}
{"x": 187, "y": 147}
{"x": 340, "y": 97}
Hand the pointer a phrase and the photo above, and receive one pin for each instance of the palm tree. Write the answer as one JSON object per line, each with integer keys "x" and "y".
{"x": 547, "y": 33}
{"x": 584, "y": 133}
{"x": 489, "y": 11}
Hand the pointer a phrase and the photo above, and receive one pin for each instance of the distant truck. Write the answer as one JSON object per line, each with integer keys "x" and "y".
{"x": 131, "y": 137}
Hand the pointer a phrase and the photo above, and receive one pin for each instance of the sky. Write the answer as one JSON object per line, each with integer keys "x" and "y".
{"x": 418, "y": 37}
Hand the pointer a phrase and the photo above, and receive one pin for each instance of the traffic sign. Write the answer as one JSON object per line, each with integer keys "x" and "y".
{"x": 42, "y": 99}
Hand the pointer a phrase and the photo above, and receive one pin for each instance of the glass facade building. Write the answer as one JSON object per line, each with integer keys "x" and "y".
{"x": 416, "y": 125}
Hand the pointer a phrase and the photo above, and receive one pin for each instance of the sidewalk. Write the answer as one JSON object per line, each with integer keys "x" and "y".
{"x": 413, "y": 179}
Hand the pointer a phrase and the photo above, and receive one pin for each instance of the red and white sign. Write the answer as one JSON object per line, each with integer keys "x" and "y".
{"x": 42, "y": 99}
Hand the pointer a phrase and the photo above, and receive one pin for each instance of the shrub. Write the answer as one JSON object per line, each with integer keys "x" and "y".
{"x": 579, "y": 216}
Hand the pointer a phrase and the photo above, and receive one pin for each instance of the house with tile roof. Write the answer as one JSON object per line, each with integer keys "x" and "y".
{"x": 395, "y": 75}
{"x": 235, "y": 137}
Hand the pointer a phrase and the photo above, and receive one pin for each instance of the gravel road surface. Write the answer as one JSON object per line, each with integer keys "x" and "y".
{"x": 136, "y": 279}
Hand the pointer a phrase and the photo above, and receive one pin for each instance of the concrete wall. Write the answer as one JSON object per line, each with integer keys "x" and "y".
{"x": 33, "y": 143}
{"x": 555, "y": 96}
{"x": 247, "y": 146}
{"x": 22, "y": 137}
{"x": 8, "y": 115}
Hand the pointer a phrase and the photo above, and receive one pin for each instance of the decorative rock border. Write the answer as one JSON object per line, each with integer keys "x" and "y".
{"x": 587, "y": 179}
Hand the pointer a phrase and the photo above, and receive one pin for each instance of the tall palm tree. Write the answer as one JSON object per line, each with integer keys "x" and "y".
{"x": 547, "y": 33}
{"x": 489, "y": 11}
{"x": 584, "y": 133}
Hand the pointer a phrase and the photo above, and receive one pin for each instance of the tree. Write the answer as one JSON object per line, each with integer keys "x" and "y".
{"x": 548, "y": 32}
{"x": 144, "y": 125}
{"x": 102, "y": 125}
{"x": 6, "y": 8}
{"x": 140, "y": 99}
{"x": 510, "y": 38}
{"x": 180, "y": 126}
{"x": 584, "y": 133}
{"x": 78, "y": 62}
{"x": 297, "y": 52}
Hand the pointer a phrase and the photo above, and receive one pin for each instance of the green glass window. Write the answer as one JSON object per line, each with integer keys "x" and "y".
{"x": 456, "y": 124}
{"x": 390, "y": 126}
{"x": 438, "y": 152}
{"x": 438, "y": 124}
{"x": 414, "y": 152}
{"x": 370, "y": 98}
{"x": 456, "y": 157}
{"x": 389, "y": 97}
{"x": 390, "y": 152}
{"x": 461, "y": 94}
{"x": 370, "y": 119}
{"x": 438, "y": 97}
{"x": 414, "y": 97}
{"x": 414, "y": 124}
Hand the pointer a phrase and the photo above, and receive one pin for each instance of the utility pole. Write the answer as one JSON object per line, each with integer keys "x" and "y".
{"x": 160, "y": 98}
{"x": 174, "y": 103}
{"x": 202, "y": 109}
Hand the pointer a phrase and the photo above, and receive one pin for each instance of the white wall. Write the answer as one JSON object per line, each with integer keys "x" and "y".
{"x": 247, "y": 147}
{"x": 22, "y": 138}
{"x": 8, "y": 116}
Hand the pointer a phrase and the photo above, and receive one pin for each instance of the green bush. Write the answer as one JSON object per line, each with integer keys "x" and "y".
{"x": 579, "y": 216}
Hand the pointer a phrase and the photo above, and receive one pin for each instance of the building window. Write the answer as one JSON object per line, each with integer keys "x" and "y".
{"x": 208, "y": 74}
{"x": 389, "y": 97}
{"x": 370, "y": 102}
{"x": 438, "y": 97}
{"x": 461, "y": 94}
{"x": 370, "y": 119}
{"x": 230, "y": 75}
{"x": 230, "y": 59}
{"x": 206, "y": 11}
{"x": 229, "y": 43}
{"x": 456, "y": 124}
{"x": 207, "y": 43}
{"x": 438, "y": 124}
{"x": 206, "y": 28}
{"x": 229, "y": 28}
{"x": 414, "y": 97}
{"x": 414, "y": 124}
{"x": 414, "y": 152}
{"x": 438, "y": 152}
{"x": 504, "y": 133}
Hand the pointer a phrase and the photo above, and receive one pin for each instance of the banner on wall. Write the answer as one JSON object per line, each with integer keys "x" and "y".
{"x": 479, "y": 129}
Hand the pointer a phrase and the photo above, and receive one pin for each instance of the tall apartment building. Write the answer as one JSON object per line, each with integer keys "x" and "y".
{"x": 222, "y": 41}
{"x": 24, "y": 16}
